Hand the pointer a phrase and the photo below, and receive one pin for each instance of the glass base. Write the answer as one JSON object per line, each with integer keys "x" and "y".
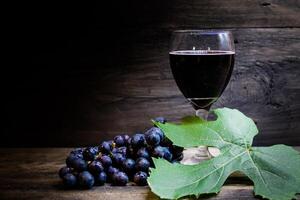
{"x": 198, "y": 154}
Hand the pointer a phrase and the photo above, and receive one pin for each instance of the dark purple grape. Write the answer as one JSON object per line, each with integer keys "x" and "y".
{"x": 105, "y": 160}
{"x": 142, "y": 164}
{"x": 143, "y": 152}
{"x": 105, "y": 147}
{"x": 158, "y": 152}
{"x": 138, "y": 140}
{"x": 120, "y": 179}
{"x": 101, "y": 178}
{"x": 128, "y": 165}
{"x": 71, "y": 159}
{"x": 140, "y": 178}
{"x": 95, "y": 167}
{"x": 153, "y": 139}
{"x": 119, "y": 140}
{"x": 160, "y": 120}
{"x": 63, "y": 171}
{"x": 118, "y": 159}
{"x": 155, "y": 130}
{"x": 114, "y": 150}
{"x": 79, "y": 165}
{"x": 112, "y": 170}
{"x": 69, "y": 180}
{"x": 90, "y": 153}
{"x": 162, "y": 152}
{"x": 168, "y": 155}
{"x": 86, "y": 180}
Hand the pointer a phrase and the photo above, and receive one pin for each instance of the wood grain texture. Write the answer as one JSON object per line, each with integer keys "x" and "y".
{"x": 32, "y": 174}
{"x": 95, "y": 105}
{"x": 233, "y": 13}
{"x": 103, "y": 69}
{"x": 202, "y": 14}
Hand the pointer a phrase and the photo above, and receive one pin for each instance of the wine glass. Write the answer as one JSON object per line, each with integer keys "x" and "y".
{"x": 202, "y": 63}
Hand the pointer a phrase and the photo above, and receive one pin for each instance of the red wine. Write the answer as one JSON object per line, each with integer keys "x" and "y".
{"x": 202, "y": 75}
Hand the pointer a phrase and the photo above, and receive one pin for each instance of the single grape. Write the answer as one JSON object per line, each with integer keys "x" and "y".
{"x": 142, "y": 164}
{"x": 153, "y": 139}
{"x": 86, "y": 180}
{"x": 140, "y": 178}
{"x": 158, "y": 152}
{"x": 90, "y": 153}
{"x": 71, "y": 159}
{"x": 69, "y": 180}
{"x": 155, "y": 130}
{"x": 167, "y": 154}
{"x": 95, "y": 167}
{"x": 162, "y": 152}
{"x": 101, "y": 178}
{"x": 105, "y": 147}
{"x": 63, "y": 171}
{"x": 120, "y": 179}
{"x": 138, "y": 140}
{"x": 105, "y": 160}
{"x": 128, "y": 165}
{"x": 79, "y": 165}
{"x": 111, "y": 171}
{"x": 114, "y": 150}
{"x": 143, "y": 152}
{"x": 118, "y": 159}
{"x": 119, "y": 140}
{"x": 160, "y": 120}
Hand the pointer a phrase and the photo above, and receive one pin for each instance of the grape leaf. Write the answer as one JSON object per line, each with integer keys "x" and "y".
{"x": 275, "y": 170}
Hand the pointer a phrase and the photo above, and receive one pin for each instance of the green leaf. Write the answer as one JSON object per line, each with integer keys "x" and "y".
{"x": 275, "y": 170}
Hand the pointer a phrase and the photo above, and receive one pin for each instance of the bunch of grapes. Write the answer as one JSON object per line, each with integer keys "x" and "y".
{"x": 119, "y": 161}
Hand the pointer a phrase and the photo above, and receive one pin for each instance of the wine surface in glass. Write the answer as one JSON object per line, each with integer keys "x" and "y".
{"x": 202, "y": 75}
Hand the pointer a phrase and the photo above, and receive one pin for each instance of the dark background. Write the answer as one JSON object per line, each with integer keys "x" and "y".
{"x": 78, "y": 73}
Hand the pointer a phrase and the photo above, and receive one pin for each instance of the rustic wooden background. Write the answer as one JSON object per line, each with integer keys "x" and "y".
{"x": 81, "y": 73}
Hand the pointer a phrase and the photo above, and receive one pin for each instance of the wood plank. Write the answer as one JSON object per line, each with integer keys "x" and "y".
{"x": 31, "y": 173}
{"x": 103, "y": 68}
{"x": 202, "y": 14}
{"x": 92, "y": 104}
{"x": 234, "y": 13}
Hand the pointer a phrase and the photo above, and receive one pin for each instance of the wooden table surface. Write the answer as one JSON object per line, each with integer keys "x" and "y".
{"x": 31, "y": 173}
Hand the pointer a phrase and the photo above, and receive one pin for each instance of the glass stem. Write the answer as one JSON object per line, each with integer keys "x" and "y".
{"x": 203, "y": 150}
